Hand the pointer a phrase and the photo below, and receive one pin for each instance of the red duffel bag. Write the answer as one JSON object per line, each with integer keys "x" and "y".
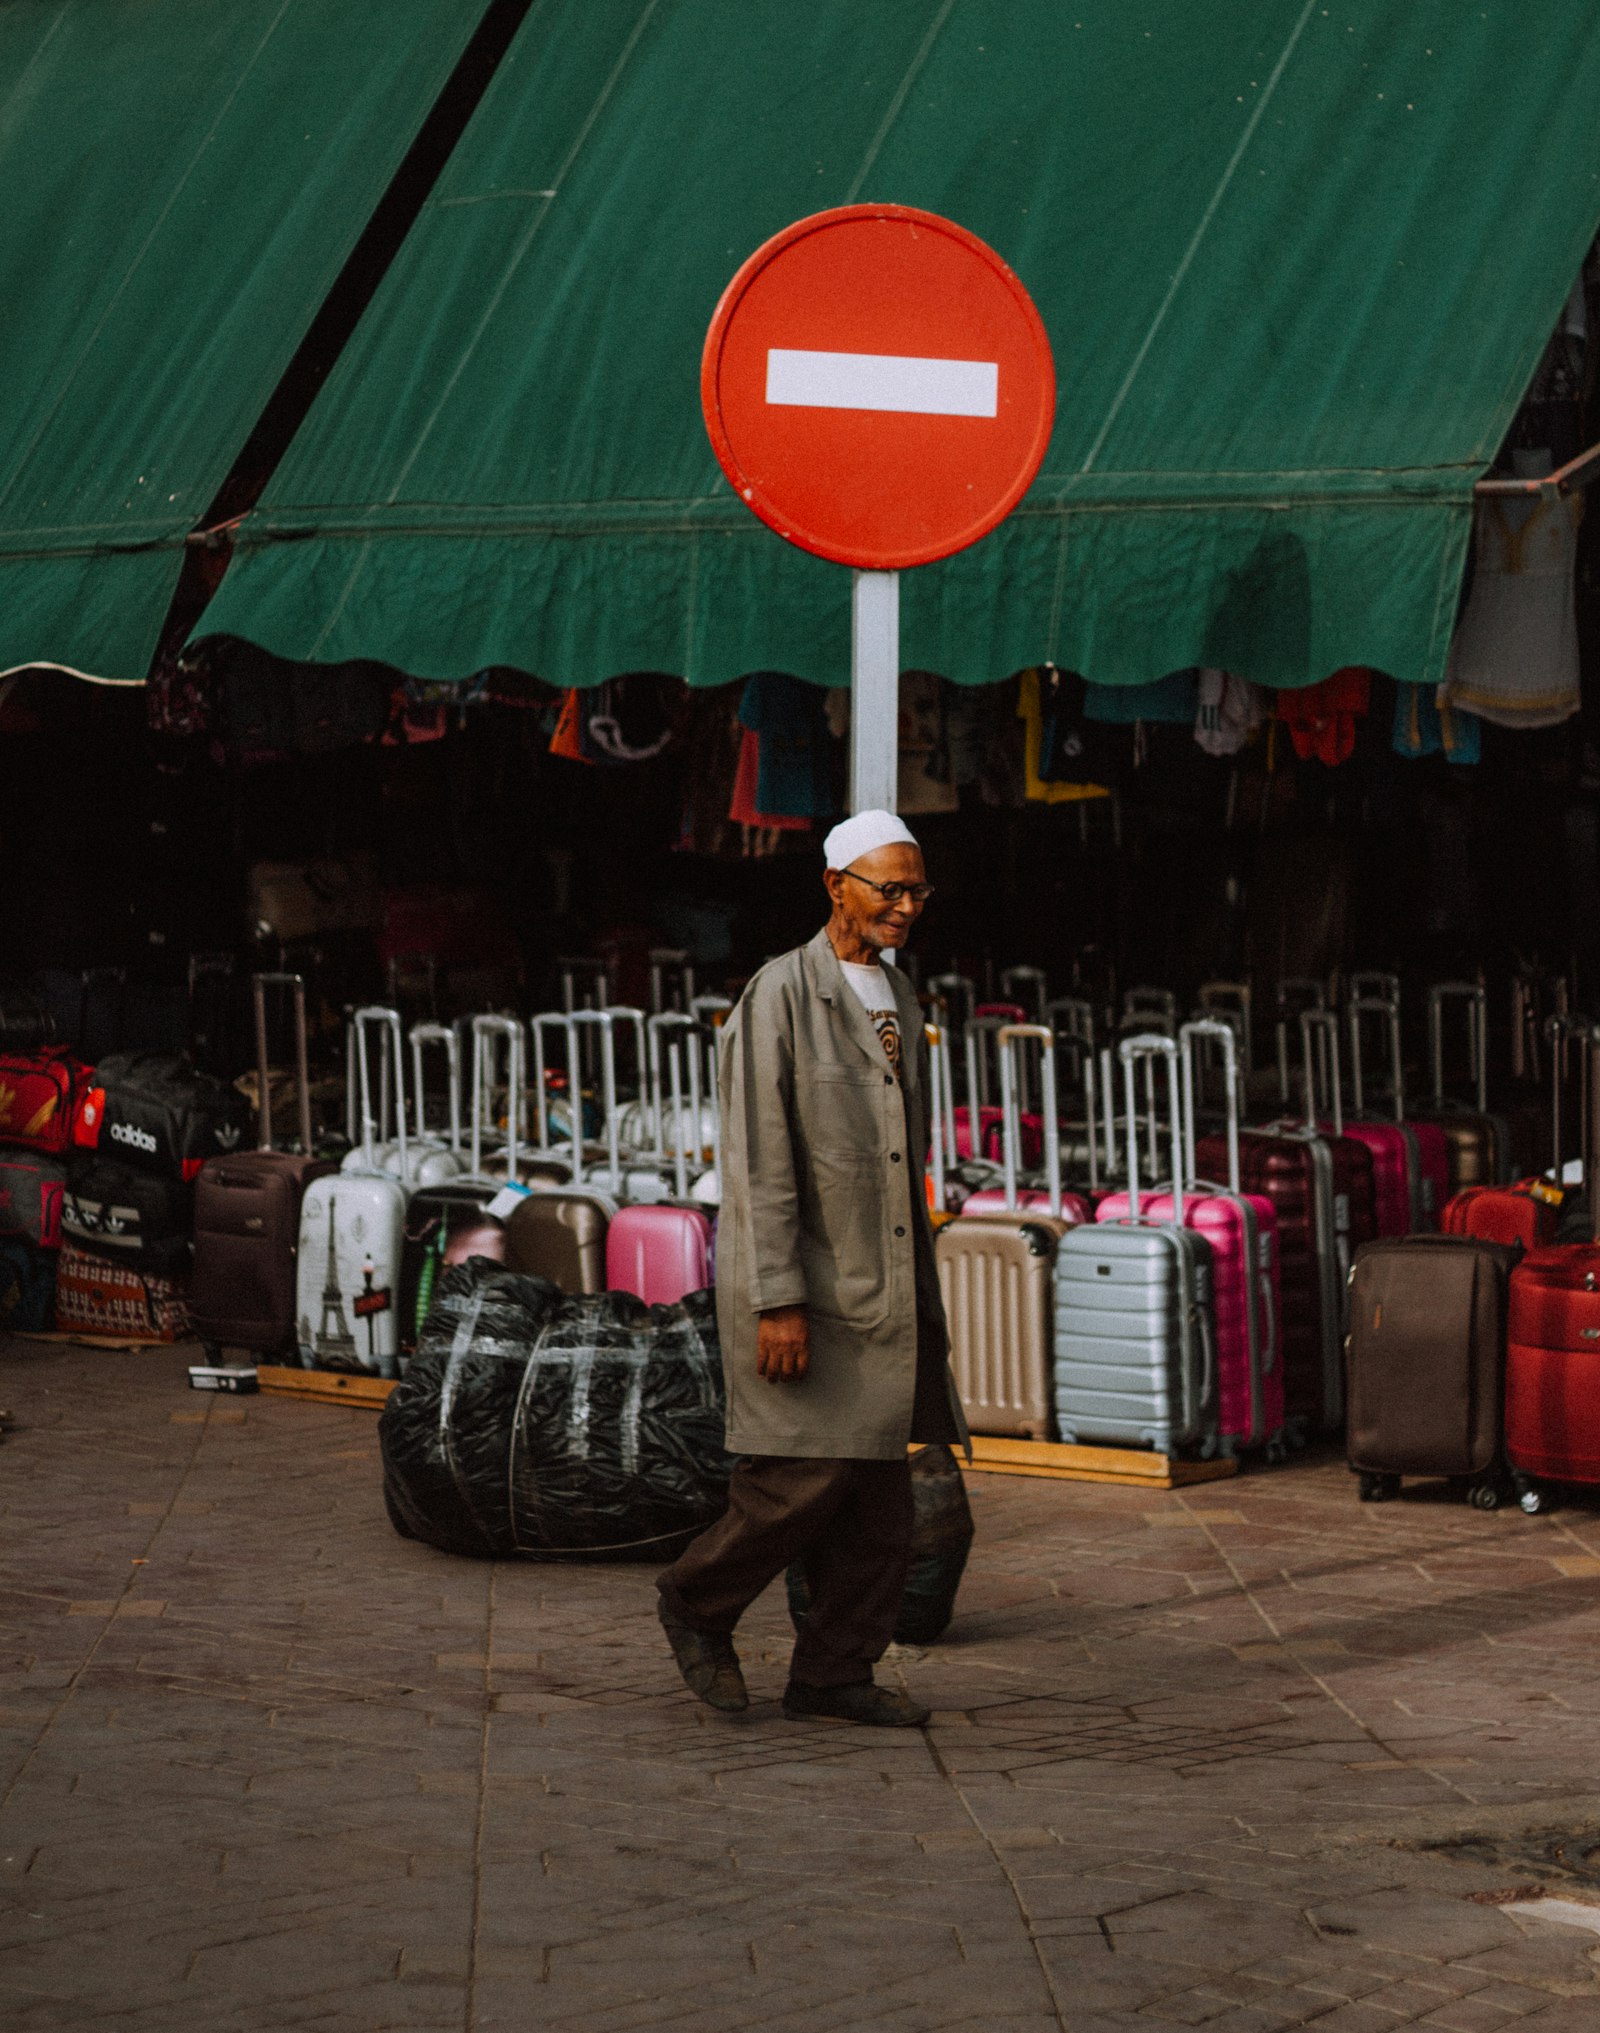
{"x": 39, "y": 1096}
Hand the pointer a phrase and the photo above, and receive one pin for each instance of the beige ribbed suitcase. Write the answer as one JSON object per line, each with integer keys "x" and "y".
{"x": 996, "y": 1276}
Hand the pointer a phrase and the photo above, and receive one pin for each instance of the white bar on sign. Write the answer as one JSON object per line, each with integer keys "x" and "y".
{"x": 898, "y": 381}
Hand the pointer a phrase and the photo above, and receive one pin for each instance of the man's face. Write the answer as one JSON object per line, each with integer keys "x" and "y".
{"x": 867, "y": 913}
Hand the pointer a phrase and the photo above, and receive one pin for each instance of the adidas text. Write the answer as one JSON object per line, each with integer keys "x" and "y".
{"x": 126, "y": 1133}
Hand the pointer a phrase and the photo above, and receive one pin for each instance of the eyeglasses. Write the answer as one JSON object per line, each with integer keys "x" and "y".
{"x": 892, "y": 892}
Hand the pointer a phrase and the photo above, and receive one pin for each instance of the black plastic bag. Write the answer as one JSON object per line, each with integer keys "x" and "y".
{"x": 557, "y": 1428}
{"x": 941, "y": 1538}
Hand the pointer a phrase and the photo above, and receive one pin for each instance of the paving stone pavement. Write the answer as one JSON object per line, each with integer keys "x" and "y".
{"x": 263, "y": 1764}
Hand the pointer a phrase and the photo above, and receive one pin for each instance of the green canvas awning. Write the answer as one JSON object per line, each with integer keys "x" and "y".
{"x": 183, "y": 181}
{"x": 1297, "y": 261}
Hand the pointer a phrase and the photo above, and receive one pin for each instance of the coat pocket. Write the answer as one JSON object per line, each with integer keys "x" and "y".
{"x": 842, "y": 1249}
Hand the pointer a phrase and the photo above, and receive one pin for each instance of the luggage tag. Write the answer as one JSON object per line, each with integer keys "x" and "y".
{"x": 506, "y": 1202}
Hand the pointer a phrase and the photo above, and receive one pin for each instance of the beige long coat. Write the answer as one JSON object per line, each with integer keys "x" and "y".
{"x": 822, "y": 1197}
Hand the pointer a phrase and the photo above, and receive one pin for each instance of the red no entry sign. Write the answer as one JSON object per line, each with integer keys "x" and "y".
{"x": 878, "y": 386}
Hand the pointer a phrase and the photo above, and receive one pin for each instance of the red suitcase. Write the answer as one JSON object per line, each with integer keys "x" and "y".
{"x": 1553, "y": 1370}
{"x": 1528, "y": 1212}
{"x": 1553, "y": 1349}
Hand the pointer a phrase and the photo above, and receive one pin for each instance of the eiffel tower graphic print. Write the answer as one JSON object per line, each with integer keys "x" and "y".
{"x": 334, "y": 1344}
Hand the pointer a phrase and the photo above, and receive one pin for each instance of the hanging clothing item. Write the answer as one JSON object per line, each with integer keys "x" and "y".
{"x": 1425, "y": 724}
{"x": 745, "y": 809}
{"x": 790, "y": 720}
{"x": 1321, "y": 719}
{"x": 568, "y": 738}
{"x": 1037, "y": 788}
{"x": 924, "y": 782}
{"x": 1230, "y": 710}
{"x": 712, "y": 741}
{"x": 1169, "y": 701}
{"x": 1514, "y": 659}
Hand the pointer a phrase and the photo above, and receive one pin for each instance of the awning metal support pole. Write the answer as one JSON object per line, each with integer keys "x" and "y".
{"x": 1578, "y": 472}
{"x": 874, "y": 691}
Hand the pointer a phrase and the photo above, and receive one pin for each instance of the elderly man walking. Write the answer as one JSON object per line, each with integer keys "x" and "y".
{"x": 833, "y": 1334}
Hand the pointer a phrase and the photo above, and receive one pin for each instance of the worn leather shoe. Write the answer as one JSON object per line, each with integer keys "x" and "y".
{"x": 708, "y": 1663}
{"x": 863, "y": 1701}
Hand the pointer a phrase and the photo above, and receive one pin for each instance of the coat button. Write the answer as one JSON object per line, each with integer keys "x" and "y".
{"x": 894, "y": 1157}
{"x": 899, "y": 1231}
{"x": 888, "y": 1079}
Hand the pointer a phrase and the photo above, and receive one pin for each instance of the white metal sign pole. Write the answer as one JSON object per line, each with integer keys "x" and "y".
{"x": 875, "y": 691}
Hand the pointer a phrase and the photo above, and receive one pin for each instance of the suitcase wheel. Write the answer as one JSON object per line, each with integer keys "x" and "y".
{"x": 1378, "y": 1489}
{"x": 1529, "y": 1495}
{"x": 1277, "y": 1451}
{"x": 1484, "y": 1496}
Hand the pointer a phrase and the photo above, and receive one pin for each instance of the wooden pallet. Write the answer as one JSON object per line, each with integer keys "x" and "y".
{"x": 1057, "y": 1462}
{"x": 117, "y": 1344}
{"x": 325, "y": 1386}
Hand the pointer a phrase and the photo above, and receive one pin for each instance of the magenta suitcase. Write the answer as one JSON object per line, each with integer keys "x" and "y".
{"x": 1242, "y": 1229}
{"x": 659, "y": 1253}
{"x": 1391, "y": 1170}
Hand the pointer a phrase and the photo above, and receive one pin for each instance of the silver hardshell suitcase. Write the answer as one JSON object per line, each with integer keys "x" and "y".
{"x": 1135, "y": 1356}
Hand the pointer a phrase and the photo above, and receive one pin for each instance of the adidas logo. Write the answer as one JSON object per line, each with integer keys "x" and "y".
{"x": 228, "y": 1137}
{"x": 126, "y": 1133}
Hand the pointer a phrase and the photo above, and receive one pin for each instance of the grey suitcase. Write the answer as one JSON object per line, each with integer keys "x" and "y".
{"x": 1135, "y": 1348}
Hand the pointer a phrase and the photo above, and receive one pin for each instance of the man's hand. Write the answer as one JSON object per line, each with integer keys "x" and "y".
{"x": 783, "y": 1345}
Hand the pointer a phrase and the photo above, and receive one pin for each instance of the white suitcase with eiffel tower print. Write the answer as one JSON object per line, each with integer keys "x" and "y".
{"x": 352, "y": 1230}
{"x": 352, "y": 1225}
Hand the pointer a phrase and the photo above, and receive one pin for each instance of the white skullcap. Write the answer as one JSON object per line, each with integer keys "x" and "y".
{"x": 853, "y": 837}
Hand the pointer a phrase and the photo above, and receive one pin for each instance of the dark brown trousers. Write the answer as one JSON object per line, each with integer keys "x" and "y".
{"x": 849, "y": 1525}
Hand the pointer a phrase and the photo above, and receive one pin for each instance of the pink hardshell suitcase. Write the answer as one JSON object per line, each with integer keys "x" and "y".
{"x": 1242, "y": 1229}
{"x": 1384, "y": 1142}
{"x": 658, "y": 1252}
{"x": 1421, "y": 1146}
{"x": 1009, "y": 1198}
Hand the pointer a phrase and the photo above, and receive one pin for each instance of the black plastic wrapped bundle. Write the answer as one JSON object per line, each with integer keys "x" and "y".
{"x": 556, "y": 1428}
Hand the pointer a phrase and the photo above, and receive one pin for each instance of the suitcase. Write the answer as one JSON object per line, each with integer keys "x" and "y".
{"x": 40, "y": 1095}
{"x": 157, "y": 1110}
{"x": 1404, "y": 1201}
{"x": 559, "y": 1233}
{"x": 1530, "y": 1211}
{"x": 1242, "y": 1230}
{"x": 995, "y": 1278}
{"x": 1478, "y": 1143}
{"x": 1426, "y": 1363}
{"x": 1135, "y": 1344}
{"x": 31, "y": 1190}
{"x": 348, "y": 1269}
{"x": 27, "y": 1287}
{"x": 393, "y": 1148}
{"x": 659, "y": 1253}
{"x": 247, "y": 1213}
{"x": 95, "y": 1297}
{"x": 1553, "y": 1370}
{"x": 128, "y": 1216}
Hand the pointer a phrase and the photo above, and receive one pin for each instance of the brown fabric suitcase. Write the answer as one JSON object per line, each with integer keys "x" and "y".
{"x": 1426, "y": 1362}
{"x": 561, "y": 1236}
{"x": 996, "y": 1276}
{"x": 247, "y": 1216}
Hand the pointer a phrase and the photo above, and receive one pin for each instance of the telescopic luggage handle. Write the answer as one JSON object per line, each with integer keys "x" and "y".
{"x": 424, "y": 1034}
{"x": 1010, "y": 1038}
{"x": 957, "y": 995}
{"x": 1149, "y": 1045}
{"x": 1559, "y": 1032}
{"x": 1387, "y": 1011}
{"x": 604, "y": 1021}
{"x": 388, "y": 1020}
{"x": 1373, "y": 985}
{"x": 296, "y": 985}
{"x": 1221, "y": 1032}
{"x": 560, "y": 1021}
{"x": 677, "y": 1030}
{"x": 1472, "y": 993}
{"x": 1025, "y": 985}
{"x": 484, "y": 1030}
{"x": 1231, "y": 1001}
{"x": 1295, "y": 992}
{"x": 1321, "y": 1026}
{"x": 939, "y": 1124}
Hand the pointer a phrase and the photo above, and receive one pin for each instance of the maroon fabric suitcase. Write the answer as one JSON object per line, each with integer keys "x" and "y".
{"x": 1321, "y": 1189}
{"x": 247, "y": 1217}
